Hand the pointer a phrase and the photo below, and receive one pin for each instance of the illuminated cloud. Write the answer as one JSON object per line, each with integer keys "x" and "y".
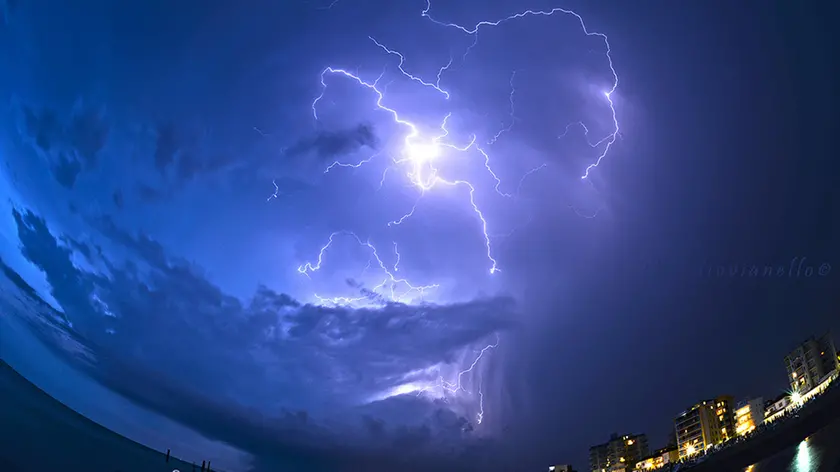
{"x": 418, "y": 153}
{"x": 166, "y": 337}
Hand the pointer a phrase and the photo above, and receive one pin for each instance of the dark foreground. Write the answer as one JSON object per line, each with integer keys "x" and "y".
{"x": 38, "y": 433}
{"x": 818, "y": 414}
{"x": 820, "y": 453}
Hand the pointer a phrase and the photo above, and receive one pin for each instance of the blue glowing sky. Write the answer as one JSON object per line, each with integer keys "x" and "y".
{"x": 304, "y": 234}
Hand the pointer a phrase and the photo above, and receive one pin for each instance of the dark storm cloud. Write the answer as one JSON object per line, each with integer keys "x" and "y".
{"x": 66, "y": 170}
{"x": 191, "y": 164}
{"x": 72, "y": 146}
{"x": 117, "y": 197}
{"x": 177, "y": 149}
{"x": 150, "y": 194}
{"x": 31, "y": 297}
{"x": 179, "y": 158}
{"x": 168, "y": 338}
{"x": 87, "y": 133}
{"x": 329, "y": 144}
{"x": 291, "y": 441}
{"x": 43, "y": 127}
{"x": 38, "y": 244}
{"x": 166, "y": 147}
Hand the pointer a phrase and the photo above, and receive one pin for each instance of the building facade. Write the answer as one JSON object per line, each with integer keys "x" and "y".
{"x": 704, "y": 425}
{"x": 598, "y": 458}
{"x": 658, "y": 459}
{"x": 773, "y": 409}
{"x": 621, "y": 453}
{"x": 811, "y": 361}
{"x": 749, "y": 415}
{"x": 560, "y": 468}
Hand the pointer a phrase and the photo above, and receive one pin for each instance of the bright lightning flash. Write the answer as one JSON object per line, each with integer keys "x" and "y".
{"x": 417, "y": 161}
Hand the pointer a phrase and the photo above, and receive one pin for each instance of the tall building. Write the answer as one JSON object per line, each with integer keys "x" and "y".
{"x": 749, "y": 415}
{"x": 598, "y": 460}
{"x": 705, "y": 424}
{"x": 619, "y": 454}
{"x": 810, "y": 362}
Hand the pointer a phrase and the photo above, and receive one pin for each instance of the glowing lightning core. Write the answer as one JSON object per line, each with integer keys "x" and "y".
{"x": 418, "y": 162}
{"x": 419, "y": 153}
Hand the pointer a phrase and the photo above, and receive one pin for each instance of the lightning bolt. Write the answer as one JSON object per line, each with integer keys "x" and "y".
{"x": 526, "y": 175}
{"x": 329, "y": 7}
{"x": 457, "y": 385}
{"x": 473, "y": 31}
{"x": 345, "y": 164}
{"x": 392, "y": 280}
{"x": 419, "y": 153}
{"x": 435, "y": 86}
{"x": 276, "y": 191}
{"x": 417, "y": 161}
{"x": 512, "y": 111}
{"x": 480, "y": 416}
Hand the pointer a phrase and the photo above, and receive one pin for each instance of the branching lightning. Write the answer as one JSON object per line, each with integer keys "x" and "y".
{"x": 457, "y": 385}
{"x": 512, "y": 112}
{"x": 420, "y": 81}
{"x": 454, "y": 387}
{"x": 419, "y": 153}
{"x": 354, "y": 166}
{"x": 394, "y": 283}
{"x": 611, "y": 138}
{"x": 417, "y": 162}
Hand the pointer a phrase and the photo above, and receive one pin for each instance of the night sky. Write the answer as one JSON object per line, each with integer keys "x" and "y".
{"x": 169, "y": 189}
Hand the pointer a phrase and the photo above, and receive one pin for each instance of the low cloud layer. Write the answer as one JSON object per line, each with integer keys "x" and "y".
{"x": 270, "y": 375}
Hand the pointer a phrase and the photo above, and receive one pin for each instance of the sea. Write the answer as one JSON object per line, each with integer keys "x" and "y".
{"x": 820, "y": 452}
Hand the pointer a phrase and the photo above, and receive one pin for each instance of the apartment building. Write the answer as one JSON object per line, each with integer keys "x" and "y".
{"x": 810, "y": 362}
{"x": 705, "y": 424}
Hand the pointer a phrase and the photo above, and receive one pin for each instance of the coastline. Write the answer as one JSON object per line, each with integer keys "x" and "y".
{"x": 41, "y": 433}
{"x": 823, "y": 412}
